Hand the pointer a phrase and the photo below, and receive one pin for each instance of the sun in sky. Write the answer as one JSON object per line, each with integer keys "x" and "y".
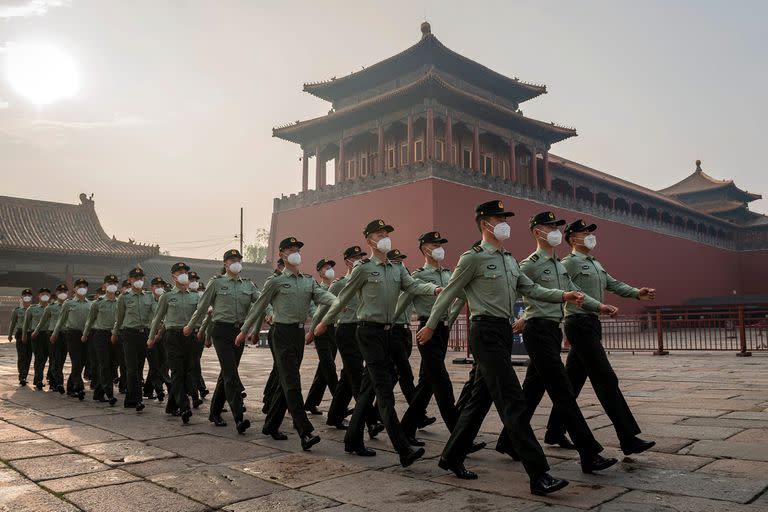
{"x": 40, "y": 72}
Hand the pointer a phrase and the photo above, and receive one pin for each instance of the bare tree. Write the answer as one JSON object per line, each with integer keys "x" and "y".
{"x": 257, "y": 251}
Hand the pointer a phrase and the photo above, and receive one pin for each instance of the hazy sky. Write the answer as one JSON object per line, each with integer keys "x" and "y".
{"x": 171, "y": 126}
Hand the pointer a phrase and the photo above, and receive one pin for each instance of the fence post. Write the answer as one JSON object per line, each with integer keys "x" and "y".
{"x": 660, "y": 335}
{"x": 742, "y": 334}
{"x": 467, "y": 359}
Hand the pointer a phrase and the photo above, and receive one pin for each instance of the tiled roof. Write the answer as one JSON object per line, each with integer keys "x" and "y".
{"x": 699, "y": 181}
{"x": 31, "y": 225}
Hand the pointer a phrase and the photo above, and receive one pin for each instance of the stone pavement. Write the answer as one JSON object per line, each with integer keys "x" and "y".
{"x": 707, "y": 412}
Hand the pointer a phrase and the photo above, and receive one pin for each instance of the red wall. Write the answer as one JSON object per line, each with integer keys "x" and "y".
{"x": 679, "y": 268}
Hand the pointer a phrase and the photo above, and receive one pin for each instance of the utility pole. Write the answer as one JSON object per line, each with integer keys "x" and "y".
{"x": 241, "y": 230}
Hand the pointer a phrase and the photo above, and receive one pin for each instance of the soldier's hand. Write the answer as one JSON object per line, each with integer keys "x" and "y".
{"x": 53, "y": 338}
{"x": 268, "y": 319}
{"x": 576, "y": 298}
{"x": 114, "y": 339}
{"x": 309, "y": 338}
{"x": 23, "y": 338}
{"x": 34, "y": 335}
{"x": 517, "y": 325}
{"x": 647, "y": 293}
{"x": 607, "y": 309}
{"x": 424, "y": 335}
{"x": 150, "y": 342}
{"x": 83, "y": 339}
{"x": 187, "y": 330}
{"x": 320, "y": 329}
{"x": 10, "y": 337}
{"x": 438, "y": 290}
{"x": 240, "y": 339}
{"x": 200, "y": 335}
{"x": 208, "y": 343}
{"x": 253, "y": 338}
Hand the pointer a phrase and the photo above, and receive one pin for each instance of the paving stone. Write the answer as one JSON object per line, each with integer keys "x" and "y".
{"x": 741, "y": 415}
{"x": 133, "y": 497}
{"x": 753, "y": 435}
{"x": 654, "y": 430}
{"x": 30, "y": 448}
{"x": 729, "y": 449}
{"x": 216, "y": 486}
{"x": 125, "y": 452}
{"x": 89, "y": 481}
{"x": 58, "y": 466}
{"x": 10, "y": 432}
{"x": 212, "y": 449}
{"x": 81, "y": 435}
{"x": 640, "y": 501}
{"x": 36, "y": 421}
{"x": 297, "y": 470}
{"x": 723, "y": 421}
{"x": 156, "y": 467}
{"x": 132, "y": 427}
{"x": 31, "y": 498}
{"x": 756, "y": 470}
{"x": 285, "y": 501}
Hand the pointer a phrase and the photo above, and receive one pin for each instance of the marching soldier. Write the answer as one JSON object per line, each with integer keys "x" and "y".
{"x": 156, "y": 374}
{"x": 325, "y": 346}
{"x": 378, "y": 283}
{"x": 290, "y": 295}
{"x": 71, "y": 322}
{"x": 23, "y": 350}
{"x": 39, "y": 346}
{"x": 231, "y": 296}
{"x": 587, "y": 357}
{"x": 543, "y": 338}
{"x": 272, "y": 385}
{"x": 134, "y": 313}
{"x": 101, "y": 320}
{"x": 58, "y": 351}
{"x": 201, "y": 391}
{"x": 492, "y": 280}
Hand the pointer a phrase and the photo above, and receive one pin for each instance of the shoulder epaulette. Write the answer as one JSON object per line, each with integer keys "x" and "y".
{"x": 508, "y": 253}
{"x": 570, "y": 255}
{"x": 307, "y": 275}
{"x": 533, "y": 257}
{"x": 336, "y": 280}
{"x": 477, "y": 248}
{"x": 365, "y": 260}
{"x": 420, "y": 269}
{"x": 218, "y": 276}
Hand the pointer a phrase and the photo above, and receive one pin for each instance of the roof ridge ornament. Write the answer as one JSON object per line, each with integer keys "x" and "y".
{"x": 426, "y": 30}
{"x": 698, "y": 166}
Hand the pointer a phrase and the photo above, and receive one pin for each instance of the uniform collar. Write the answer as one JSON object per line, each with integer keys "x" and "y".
{"x": 544, "y": 254}
{"x": 580, "y": 256}
{"x": 429, "y": 266}
{"x": 238, "y": 279}
{"x": 489, "y": 247}
{"x": 176, "y": 289}
{"x": 296, "y": 274}
{"x": 140, "y": 292}
{"x": 377, "y": 261}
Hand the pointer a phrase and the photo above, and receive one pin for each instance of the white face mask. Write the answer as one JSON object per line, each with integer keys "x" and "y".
{"x": 438, "y": 253}
{"x": 200, "y": 293}
{"x": 182, "y": 278}
{"x": 138, "y": 284}
{"x": 555, "y": 238}
{"x": 111, "y": 288}
{"x": 330, "y": 274}
{"x": 27, "y": 298}
{"x": 236, "y": 267}
{"x": 384, "y": 245}
{"x": 501, "y": 231}
{"x": 590, "y": 241}
{"x": 194, "y": 285}
{"x": 159, "y": 291}
{"x": 294, "y": 258}
{"x": 62, "y": 296}
{"x": 81, "y": 291}
{"x": 45, "y": 298}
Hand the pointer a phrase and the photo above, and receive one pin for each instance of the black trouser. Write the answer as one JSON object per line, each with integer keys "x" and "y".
{"x": 199, "y": 347}
{"x": 325, "y": 375}
{"x": 495, "y": 383}
{"x": 58, "y": 358}
{"x": 433, "y": 379}
{"x": 229, "y": 388}
{"x": 40, "y": 347}
{"x": 377, "y": 346}
{"x": 23, "y": 356}
{"x": 90, "y": 364}
{"x": 118, "y": 355}
{"x": 102, "y": 365}
{"x": 77, "y": 349}
{"x": 181, "y": 353}
{"x": 134, "y": 343}
{"x": 401, "y": 352}
{"x": 546, "y": 372}
{"x": 288, "y": 352}
{"x": 156, "y": 375}
{"x": 587, "y": 358}
{"x": 272, "y": 385}
{"x": 351, "y": 375}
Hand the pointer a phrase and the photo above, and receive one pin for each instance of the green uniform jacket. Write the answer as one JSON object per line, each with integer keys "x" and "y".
{"x": 379, "y": 285}
{"x": 174, "y": 309}
{"x": 548, "y": 272}
{"x": 17, "y": 318}
{"x": 423, "y": 303}
{"x": 588, "y": 274}
{"x": 101, "y": 316}
{"x": 348, "y": 315}
{"x": 230, "y": 297}
{"x": 74, "y": 313}
{"x": 50, "y": 317}
{"x": 291, "y": 296}
{"x": 492, "y": 281}
{"x": 32, "y": 318}
{"x": 134, "y": 310}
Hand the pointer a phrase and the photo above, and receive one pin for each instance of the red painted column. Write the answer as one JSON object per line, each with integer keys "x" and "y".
{"x": 410, "y": 139}
{"x": 547, "y": 177}
{"x": 305, "y": 171}
{"x": 449, "y": 139}
{"x": 342, "y": 173}
{"x": 512, "y": 161}
{"x": 532, "y": 170}
{"x": 319, "y": 169}
{"x": 476, "y": 149}
{"x": 430, "y": 136}
{"x": 381, "y": 150}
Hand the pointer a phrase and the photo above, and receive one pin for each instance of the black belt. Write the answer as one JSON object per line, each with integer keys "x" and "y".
{"x": 297, "y": 325}
{"x": 423, "y": 320}
{"x": 491, "y": 319}
{"x": 174, "y": 329}
{"x": 536, "y": 320}
{"x": 375, "y": 325}
{"x": 232, "y": 325}
{"x": 143, "y": 330}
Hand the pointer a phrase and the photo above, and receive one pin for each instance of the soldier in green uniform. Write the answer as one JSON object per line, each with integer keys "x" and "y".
{"x": 325, "y": 345}
{"x": 403, "y": 338}
{"x": 39, "y": 346}
{"x": 23, "y": 350}
{"x": 58, "y": 351}
{"x": 118, "y": 354}
{"x": 587, "y": 357}
{"x": 174, "y": 309}
{"x": 134, "y": 313}
{"x": 378, "y": 284}
{"x": 231, "y": 296}
{"x": 71, "y": 322}
{"x": 543, "y": 339}
{"x": 491, "y": 279}
{"x": 101, "y": 320}
{"x": 157, "y": 376}
{"x": 290, "y": 295}
{"x": 200, "y": 390}
{"x": 272, "y": 385}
